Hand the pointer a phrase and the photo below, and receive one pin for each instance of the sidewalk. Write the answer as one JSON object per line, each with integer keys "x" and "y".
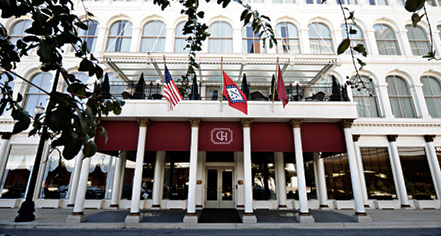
{"x": 266, "y": 219}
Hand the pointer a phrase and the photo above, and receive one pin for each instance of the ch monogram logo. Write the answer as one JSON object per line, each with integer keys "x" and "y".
{"x": 221, "y": 136}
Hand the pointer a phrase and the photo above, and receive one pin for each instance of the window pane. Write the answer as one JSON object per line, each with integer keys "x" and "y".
{"x": 400, "y": 97}
{"x": 120, "y": 36}
{"x": 221, "y": 38}
{"x": 432, "y": 95}
{"x": 320, "y": 39}
{"x": 264, "y": 186}
{"x": 288, "y": 37}
{"x": 153, "y": 37}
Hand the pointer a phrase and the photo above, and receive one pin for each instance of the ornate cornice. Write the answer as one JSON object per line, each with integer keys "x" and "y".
{"x": 417, "y": 125}
{"x": 429, "y": 138}
{"x": 392, "y": 138}
{"x": 296, "y": 123}
{"x": 6, "y": 135}
{"x": 346, "y": 123}
{"x": 246, "y": 123}
{"x": 355, "y": 138}
{"x": 195, "y": 122}
{"x": 143, "y": 122}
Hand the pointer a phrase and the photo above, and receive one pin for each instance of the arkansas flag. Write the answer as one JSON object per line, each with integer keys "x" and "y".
{"x": 281, "y": 89}
{"x": 236, "y": 98}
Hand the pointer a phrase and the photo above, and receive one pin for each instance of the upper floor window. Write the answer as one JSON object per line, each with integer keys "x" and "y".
{"x": 419, "y": 43}
{"x": 120, "y": 37}
{"x": 400, "y": 97}
{"x": 366, "y": 99}
{"x": 386, "y": 40}
{"x": 36, "y": 97}
{"x": 432, "y": 95}
{"x": 315, "y": 2}
{"x": 284, "y": 1}
{"x": 356, "y": 38}
{"x": 288, "y": 38}
{"x": 17, "y": 31}
{"x": 180, "y": 39}
{"x": 378, "y": 2}
{"x": 221, "y": 38}
{"x": 320, "y": 39}
{"x": 253, "y": 1}
{"x": 250, "y": 41}
{"x": 89, "y": 36}
{"x": 153, "y": 37}
{"x": 400, "y": 2}
{"x": 348, "y": 2}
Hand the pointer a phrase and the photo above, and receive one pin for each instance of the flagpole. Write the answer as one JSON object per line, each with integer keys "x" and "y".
{"x": 169, "y": 104}
{"x": 275, "y": 84}
{"x": 221, "y": 82}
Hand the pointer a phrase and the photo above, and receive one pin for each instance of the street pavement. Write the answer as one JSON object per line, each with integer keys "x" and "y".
{"x": 266, "y": 219}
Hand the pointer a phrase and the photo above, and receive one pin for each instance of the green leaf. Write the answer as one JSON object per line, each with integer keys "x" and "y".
{"x": 415, "y": 19}
{"x": 247, "y": 19}
{"x": 243, "y": 15}
{"x": 343, "y": 46}
{"x": 352, "y": 30}
{"x": 361, "y": 49}
{"x": 89, "y": 148}
{"x": 414, "y": 5}
{"x": 86, "y": 65}
{"x": 22, "y": 118}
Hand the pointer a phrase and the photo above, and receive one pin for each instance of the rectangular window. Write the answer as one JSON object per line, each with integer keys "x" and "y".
{"x": 291, "y": 176}
{"x": 264, "y": 184}
{"x": 147, "y": 175}
{"x": 177, "y": 167}
{"x": 338, "y": 176}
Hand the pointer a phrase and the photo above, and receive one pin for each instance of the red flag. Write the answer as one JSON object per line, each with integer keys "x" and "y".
{"x": 281, "y": 89}
{"x": 236, "y": 98}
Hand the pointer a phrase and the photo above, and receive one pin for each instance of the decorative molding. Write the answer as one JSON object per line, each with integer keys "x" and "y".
{"x": 355, "y": 137}
{"x": 392, "y": 138}
{"x": 346, "y": 124}
{"x": 429, "y": 138}
{"x": 143, "y": 122}
{"x": 7, "y": 122}
{"x": 246, "y": 123}
{"x": 296, "y": 123}
{"x": 404, "y": 125}
{"x": 195, "y": 122}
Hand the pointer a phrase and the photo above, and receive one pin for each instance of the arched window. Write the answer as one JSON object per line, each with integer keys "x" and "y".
{"x": 378, "y": 2}
{"x": 366, "y": 99}
{"x": 153, "y": 37}
{"x": 250, "y": 41}
{"x": 180, "y": 39}
{"x": 419, "y": 43}
{"x": 35, "y": 96}
{"x": 400, "y": 97}
{"x": 120, "y": 36}
{"x": 288, "y": 38}
{"x": 386, "y": 40}
{"x": 349, "y": 2}
{"x": 356, "y": 38}
{"x": 432, "y": 95}
{"x": 89, "y": 36}
{"x": 17, "y": 30}
{"x": 320, "y": 39}
{"x": 221, "y": 38}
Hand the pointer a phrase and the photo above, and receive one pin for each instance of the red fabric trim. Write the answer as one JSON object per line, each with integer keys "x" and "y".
{"x": 322, "y": 137}
{"x": 209, "y": 142}
{"x": 271, "y": 137}
{"x": 123, "y": 135}
{"x": 168, "y": 136}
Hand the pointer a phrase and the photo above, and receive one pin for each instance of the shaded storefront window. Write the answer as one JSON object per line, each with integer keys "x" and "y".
{"x": 177, "y": 168}
{"x": 291, "y": 176}
{"x": 417, "y": 176}
{"x": 378, "y": 173}
{"x": 147, "y": 175}
{"x": 264, "y": 185}
{"x": 338, "y": 177}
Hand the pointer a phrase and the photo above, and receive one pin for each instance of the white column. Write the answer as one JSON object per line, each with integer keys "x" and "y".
{"x": 383, "y": 98}
{"x": 75, "y": 179}
{"x": 191, "y": 201}
{"x": 281, "y": 182}
{"x": 304, "y": 41}
{"x": 200, "y": 176}
{"x": 353, "y": 168}
{"x": 77, "y": 214}
{"x": 321, "y": 182}
{"x": 4, "y": 144}
{"x": 396, "y": 164}
{"x": 114, "y": 199}
{"x": 418, "y": 95}
{"x": 239, "y": 176}
{"x": 123, "y": 172}
{"x": 303, "y": 199}
{"x": 404, "y": 42}
{"x": 41, "y": 171}
{"x": 360, "y": 169}
{"x": 157, "y": 183}
{"x": 134, "y": 215}
{"x": 434, "y": 164}
{"x": 246, "y": 124}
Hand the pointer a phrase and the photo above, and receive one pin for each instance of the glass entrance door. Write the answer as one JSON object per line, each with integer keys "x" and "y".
{"x": 219, "y": 191}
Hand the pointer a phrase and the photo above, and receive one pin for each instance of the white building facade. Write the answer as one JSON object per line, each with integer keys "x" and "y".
{"x": 379, "y": 149}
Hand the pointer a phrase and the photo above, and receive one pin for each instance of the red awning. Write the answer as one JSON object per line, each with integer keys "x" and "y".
{"x": 221, "y": 136}
{"x": 271, "y": 137}
{"x": 323, "y": 137}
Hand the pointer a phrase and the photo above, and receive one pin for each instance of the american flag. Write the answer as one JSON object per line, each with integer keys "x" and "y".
{"x": 171, "y": 92}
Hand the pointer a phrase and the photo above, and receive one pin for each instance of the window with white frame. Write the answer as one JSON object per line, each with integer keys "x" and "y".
{"x": 288, "y": 38}
{"x": 153, "y": 37}
{"x": 221, "y": 38}
{"x": 400, "y": 97}
{"x": 378, "y": 2}
{"x": 36, "y": 97}
{"x": 253, "y": 1}
{"x": 180, "y": 39}
{"x": 315, "y": 2}
{"x": 386, "y": 40}
{"x": 284, "y": 1}
{"x": 17, "y": 31}
{"x": 120, "y": 37}
{"x": 400, "y": 2}
{"x": 251, "y": 42}
{"x": 366, "y": 98}
{"x": 347, "y": 2}
{"x": 432, "y": 95}
{"x": 90, "y": 35}
{"x": 356, "y": 38}
{"x": 320, "y": 39}
{"x": 419, "y": 43}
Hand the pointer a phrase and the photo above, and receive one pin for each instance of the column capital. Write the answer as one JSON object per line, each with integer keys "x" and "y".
{"x": 429, "y": 138}
{"x": 346, "y": 123}
{"x": 392, "y": 138}
{"x": 195, "y": 122}
{"x": 246, "y": 123}
{"x": 296, "y": 123}
{"x": 143, "y": 122}
{"x": 355, "y": 137}
{"x": 6, "y": 135}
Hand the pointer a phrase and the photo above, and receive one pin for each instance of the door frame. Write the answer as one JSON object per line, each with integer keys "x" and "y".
{"x": 219, "y": 203}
